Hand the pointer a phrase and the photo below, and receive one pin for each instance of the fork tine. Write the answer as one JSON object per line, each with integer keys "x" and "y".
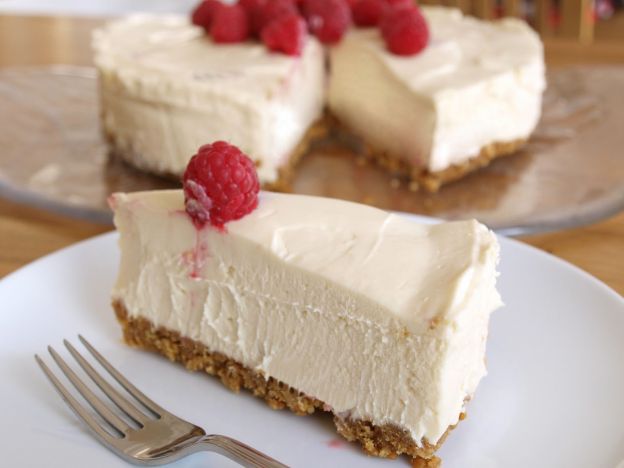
{"x": 115, "y": 421}
{"x": 135, "y": 392}
{"x": 76, "y": 407}
{"x": 121, "y": 402}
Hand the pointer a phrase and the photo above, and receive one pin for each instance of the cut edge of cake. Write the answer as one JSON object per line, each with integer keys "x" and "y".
{"x": 318, "y": 131}
{"x": 417, "y": 177}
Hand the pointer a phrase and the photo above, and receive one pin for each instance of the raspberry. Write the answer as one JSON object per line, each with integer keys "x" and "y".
{"x": 204, "y": 13}
{"x": 285, "y": 34}
{"x": 405, "y": 30}
{"x": 230, "y": 24}
{"x": 254, "y": 12}
{"x": 401, "y": 3}
{"x": 368, "y": 12}
{"x": 274, "y": 9}
{"x": 327, "y": 19}
{"x": 220, "y": 185}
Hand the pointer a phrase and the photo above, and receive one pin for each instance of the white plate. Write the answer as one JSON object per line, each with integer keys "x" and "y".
{"x": 554, "y": 396}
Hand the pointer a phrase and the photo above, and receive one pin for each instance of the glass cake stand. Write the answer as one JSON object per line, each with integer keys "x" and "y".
{"x": 571, "y": 172}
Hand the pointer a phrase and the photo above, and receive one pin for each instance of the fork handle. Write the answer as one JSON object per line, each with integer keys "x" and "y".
{"x": 237, "y": 451}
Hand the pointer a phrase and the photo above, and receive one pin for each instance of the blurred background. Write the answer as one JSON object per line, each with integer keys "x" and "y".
{"x": 589, "y": 19}
{"x": 569, "y": 181}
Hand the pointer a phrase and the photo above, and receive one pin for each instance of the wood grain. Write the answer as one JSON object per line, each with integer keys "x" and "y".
{"x": 576, "y": 20}
{"x": 597, "y": 249}
{"x": 27, "y": 233}
{"x": 512, "y": 8}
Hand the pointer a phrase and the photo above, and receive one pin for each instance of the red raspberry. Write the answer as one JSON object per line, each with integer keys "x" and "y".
{"x": 405, "y": 30}
{"x": 285, "y": 34}
{"x": 274, "y": 9}
{"x": 204, "y": 13}
{"x": 401, "y": 3}
{"x": 254, "y": 12}
{"x": 230, "y": 24}
{"x": 368, "y": 12}
{"x": 220, "y": 185}
{"x": 327, "y": 19}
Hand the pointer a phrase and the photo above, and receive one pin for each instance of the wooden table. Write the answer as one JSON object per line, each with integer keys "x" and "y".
{"x": 27, "y": 233}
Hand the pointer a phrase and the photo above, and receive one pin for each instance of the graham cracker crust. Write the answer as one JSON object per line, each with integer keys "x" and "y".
{"x": 386, "y": 440}
{"x": 432, "y": 181}
{"x": 420, "y": 177}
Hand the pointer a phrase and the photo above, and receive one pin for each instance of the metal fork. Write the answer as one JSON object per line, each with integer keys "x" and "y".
{"x": 150, "y": 435}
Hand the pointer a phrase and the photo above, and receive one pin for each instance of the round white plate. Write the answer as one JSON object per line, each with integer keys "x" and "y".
{"x": 554, "y": 396}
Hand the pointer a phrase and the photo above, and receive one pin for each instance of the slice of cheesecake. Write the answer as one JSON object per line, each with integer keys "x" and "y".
{"x": 316, "y": 304}
{"x": 166, "y": 88}
{"x": 474, "y": 93}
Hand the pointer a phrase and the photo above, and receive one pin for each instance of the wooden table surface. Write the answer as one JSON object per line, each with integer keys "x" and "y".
{"x": 27, "y": 233}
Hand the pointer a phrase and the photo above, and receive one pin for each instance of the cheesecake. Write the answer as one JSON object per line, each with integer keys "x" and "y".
{"x": 165, "y": 89}
{"x": 474, "y": 93}
{"x": 312, "y": 304}
{"x": 471, "y": 94}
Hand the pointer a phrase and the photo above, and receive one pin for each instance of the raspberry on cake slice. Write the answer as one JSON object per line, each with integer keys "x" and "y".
{"x": 404, "y": 30}
{"x": 204, "y": 13}
{"x": 328, "y": 20}
{"x": 312, "y": 304}
{"x": 368, "y": 12}
{"x": 285, "y": 34}
{"x": 230, "y": 24}
{"x": 220, "y": 185}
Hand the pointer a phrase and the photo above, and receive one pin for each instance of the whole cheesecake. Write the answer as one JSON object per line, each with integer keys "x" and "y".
{"x": 316, "y": 304}
{"x": 474, "y": 93}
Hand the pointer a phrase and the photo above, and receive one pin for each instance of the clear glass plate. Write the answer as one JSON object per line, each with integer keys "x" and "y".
{"x": 570, "y": 173}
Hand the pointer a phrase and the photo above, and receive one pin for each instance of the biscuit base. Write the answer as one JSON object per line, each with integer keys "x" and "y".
{"x": 386, "y": 440}
{"x": 420, "y": 177}
{"x": 432, "y": 181}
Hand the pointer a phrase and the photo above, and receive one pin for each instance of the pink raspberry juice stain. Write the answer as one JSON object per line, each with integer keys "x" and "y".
{"x": 111, "y": 200}
{"x": 335, "y": 443}
{"x": 199, "y": 255}
{"x": 195, "y": 259}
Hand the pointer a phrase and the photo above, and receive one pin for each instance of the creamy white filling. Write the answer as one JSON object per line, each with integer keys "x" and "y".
{"x": 166, "y": 89}
{"x": 381, "y": 318}
{"x": 476, "y": 83}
